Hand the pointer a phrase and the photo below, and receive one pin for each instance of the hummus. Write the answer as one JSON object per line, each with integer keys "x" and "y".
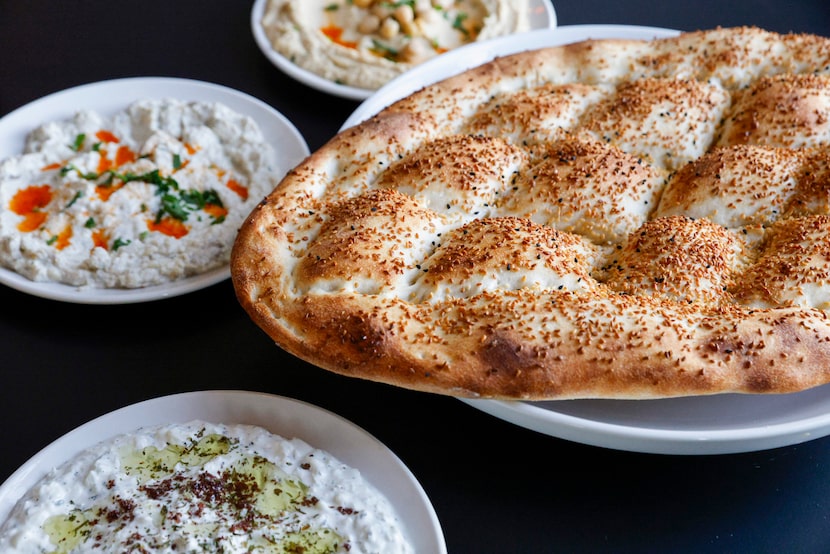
{"x": 202, "y": 487}
{"x": 152, "y": 194}
{"x": 366, "y": 43}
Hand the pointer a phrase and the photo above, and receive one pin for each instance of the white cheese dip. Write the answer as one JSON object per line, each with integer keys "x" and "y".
{"x": 202, "y": 487}
{"x": 153, "y": 194}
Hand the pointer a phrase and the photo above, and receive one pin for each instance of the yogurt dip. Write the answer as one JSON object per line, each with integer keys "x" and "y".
{"x": 152, "y": 194}
{"x": 203, "y": 487}
{"x": 366, "y": 43}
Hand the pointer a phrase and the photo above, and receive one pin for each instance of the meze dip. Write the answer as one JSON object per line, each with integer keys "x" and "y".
{"x": 151, "y": 194}
{"x": 203, "y": 487}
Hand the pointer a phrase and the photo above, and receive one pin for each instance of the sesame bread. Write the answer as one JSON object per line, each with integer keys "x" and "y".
{"x": 605, "y": 219}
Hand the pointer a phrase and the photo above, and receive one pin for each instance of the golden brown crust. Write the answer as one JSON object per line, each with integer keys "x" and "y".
{"x": 607, "y": 219}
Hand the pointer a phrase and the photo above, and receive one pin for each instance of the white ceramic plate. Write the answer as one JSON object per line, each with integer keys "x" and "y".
{"x": 699, "y": 425}
{"x": 282, "y": 416}
{"x": 108, "y": 97}
{"x": 542, "y": 16}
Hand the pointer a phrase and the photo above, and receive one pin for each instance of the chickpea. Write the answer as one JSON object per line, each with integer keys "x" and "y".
{"x": 416, "y": 51}
{"x": 362, "y": 3}
{"x": 369, "y": 24}
{"x": 428, "y": 17}
{"x": 422, "y": 6}
{"x": 381, "y": 10}
{"x": 404, "y": 14}
{"x": 411, "y": 29}
{"x": 389, "y": 28}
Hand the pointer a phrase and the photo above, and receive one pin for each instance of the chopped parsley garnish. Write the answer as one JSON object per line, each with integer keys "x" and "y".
{"x": 164, "y": 184}
{"x": 177, "y": 161}
{"x": 384, "y": 50}
{"x": 119, "y": 242}
{"x": 458, "y": 23}
{"x": 75, "y": 198}
{"x": 52, "y": 240}
{"x": 172, "y": 205}
{"x": 174, "y": 202}
{"x": 89, "y": 176}
{"x": 332, "y": 8}
{"x": 179, "y": 206}
{"x": 90, "y": 223}
{"x": 79, "y": 142}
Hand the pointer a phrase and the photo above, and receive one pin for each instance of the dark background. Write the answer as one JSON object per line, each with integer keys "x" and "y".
{"x": 495, "y": 487}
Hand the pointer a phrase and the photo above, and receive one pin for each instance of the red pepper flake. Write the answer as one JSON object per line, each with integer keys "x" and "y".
{"x": 124, "y": 510}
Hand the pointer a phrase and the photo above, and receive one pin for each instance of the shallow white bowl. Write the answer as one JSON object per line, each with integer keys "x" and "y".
{"x": 108, "y": 97}
{"x": 283, "y": 416}
{"x": 542, "y": 16}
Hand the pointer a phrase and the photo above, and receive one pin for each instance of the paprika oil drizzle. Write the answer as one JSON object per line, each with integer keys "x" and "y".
{"x": 237, "y": 188}
{"x": 335, "y": 34}
{"x": 104, "y": 163}
{"x": 106, "y": 136}
{"x": 105, "y": 191}
{"x": 122, "y": 156}
{"x": 168, "y": 226}
{"x": 100, "y": 239}
{"x": 28, "y": 202}
{"x": 63, "y": 238}
{"x": 216, "y": 211}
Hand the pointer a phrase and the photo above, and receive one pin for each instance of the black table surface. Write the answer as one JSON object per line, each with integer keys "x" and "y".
{"x": 495, "y": 487}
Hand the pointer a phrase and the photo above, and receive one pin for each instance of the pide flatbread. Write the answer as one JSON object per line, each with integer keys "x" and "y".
{"x": 606, "y": 219}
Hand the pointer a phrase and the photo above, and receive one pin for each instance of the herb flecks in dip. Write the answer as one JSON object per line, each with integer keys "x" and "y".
{"x": 153, "y": 194}
{"x": 365, "y": 43}
{"x": 206, "y": 488}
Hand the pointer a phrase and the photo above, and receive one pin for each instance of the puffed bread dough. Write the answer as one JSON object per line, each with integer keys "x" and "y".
{"x": 607, "y": 219}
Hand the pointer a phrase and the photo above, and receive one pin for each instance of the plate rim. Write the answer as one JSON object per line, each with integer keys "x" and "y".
{"x": 52, "y": 101}
{"x": 426, "y": 534}
{"x": 696, "y": 440}
{"x": 322, "y": 84}
{"x": 651, "y": 440}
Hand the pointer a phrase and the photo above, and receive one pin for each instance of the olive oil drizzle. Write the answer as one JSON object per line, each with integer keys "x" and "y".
{"x": 251, "y": 494}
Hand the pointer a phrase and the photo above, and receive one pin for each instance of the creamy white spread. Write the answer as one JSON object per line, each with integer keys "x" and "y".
{"x": 366, "y": 43}
{"x": 202, "y": 487}
{"x": 152, "y": 194}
